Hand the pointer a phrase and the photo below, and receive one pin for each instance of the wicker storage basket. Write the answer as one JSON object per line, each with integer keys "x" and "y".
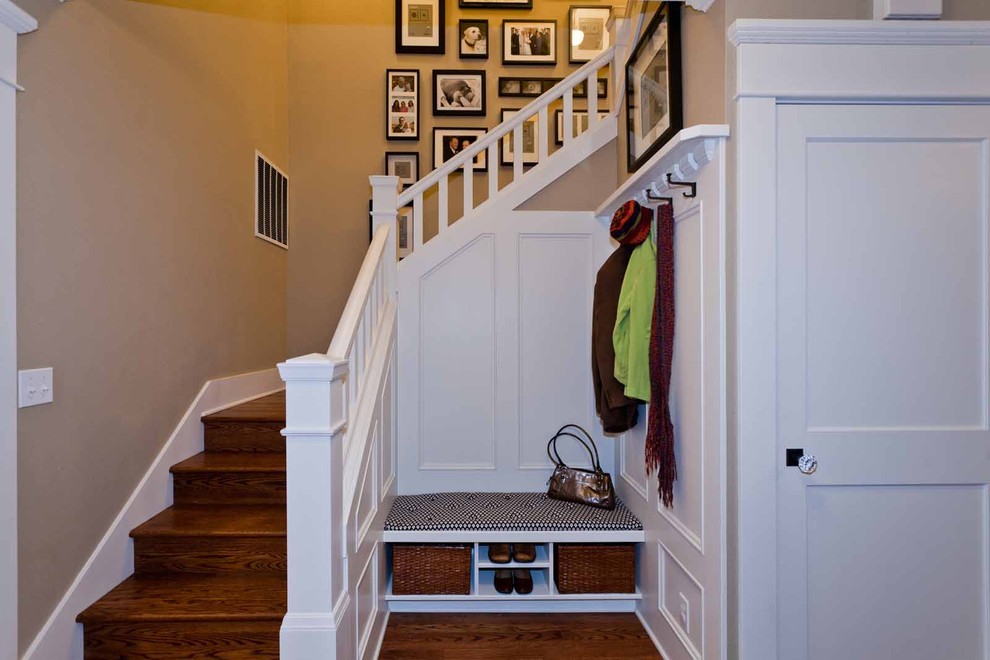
{"x": 431, "y": 569}
{"x": 595, "y": 568}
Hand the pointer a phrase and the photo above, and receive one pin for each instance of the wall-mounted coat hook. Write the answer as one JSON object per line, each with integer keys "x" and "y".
{"x": 656, "y": 198}
{"x": 692, "y": 184}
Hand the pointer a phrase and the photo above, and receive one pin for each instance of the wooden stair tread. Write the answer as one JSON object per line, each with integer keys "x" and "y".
{"x": 232, "y": 462}
{"x": 196, "y": 520}
{"x": 197, "y": 598}
{"x": 269, "y": 408}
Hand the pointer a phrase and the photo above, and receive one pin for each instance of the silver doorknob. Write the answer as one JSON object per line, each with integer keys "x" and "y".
{"x": 808, "y": 464}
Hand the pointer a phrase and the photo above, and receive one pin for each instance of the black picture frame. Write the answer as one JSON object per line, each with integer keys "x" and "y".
{"x": 393, "y": 96}
{"x": 405, "y": 43}
{"x": 463, "y": 25}
{"x": 443, "y": 132}
{"x": 495, "y": 4}
{"x": 663, "y": 117}
{"x": 452, "y": 86}
{"x": 399, "y": 156}
{"x": 558, "y": 120}
{"x": 605, "y": 37}
{"x": 529, "y": 87}
{"x": 529, "y": 158}
{"x": 509, "y": 58}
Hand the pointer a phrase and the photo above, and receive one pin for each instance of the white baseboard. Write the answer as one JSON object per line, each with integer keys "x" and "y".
{"x": 113, "y": 559}
{"x": 653, "y": 637}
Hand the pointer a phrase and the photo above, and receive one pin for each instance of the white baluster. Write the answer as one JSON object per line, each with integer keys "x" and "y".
{"x": 468, "y": 186}
{"x": 592, "y": 99}
{"x": 568, "y": 115}
{"x": 517, "y": 153}
{"x": 442, "y": 205}
{"x": 544, "y": 134}
{"x": 493, "y": 169}
{"x": 417, "y": 227}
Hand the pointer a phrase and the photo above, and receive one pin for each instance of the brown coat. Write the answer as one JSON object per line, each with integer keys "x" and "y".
{"x": 618, "y": 413}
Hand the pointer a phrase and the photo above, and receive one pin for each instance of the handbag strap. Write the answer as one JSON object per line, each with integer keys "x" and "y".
{"x": 592, "y": 448}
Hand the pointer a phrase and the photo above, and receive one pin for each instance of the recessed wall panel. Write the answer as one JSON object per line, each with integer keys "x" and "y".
{"x": 457, "y": 368}
{"x": 896, "y": 284}
{"x": 682, "y": 601}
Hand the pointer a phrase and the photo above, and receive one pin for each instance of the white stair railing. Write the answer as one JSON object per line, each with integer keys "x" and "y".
{"x": 439, "y": 178}
{"x": 334, "y": 401}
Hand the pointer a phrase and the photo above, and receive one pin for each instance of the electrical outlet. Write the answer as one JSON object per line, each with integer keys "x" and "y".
{"x": 34, "y": 387}
{"x": 685, "y": 614}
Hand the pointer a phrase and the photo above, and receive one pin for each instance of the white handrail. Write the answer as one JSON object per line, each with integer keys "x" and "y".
{"x": 350, "y": 319}
{"x": 495, "y": 135}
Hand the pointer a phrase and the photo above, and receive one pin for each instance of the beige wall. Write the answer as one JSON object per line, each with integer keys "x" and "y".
{"x": 338, "y": 54}
{"x": 138, "y": 274}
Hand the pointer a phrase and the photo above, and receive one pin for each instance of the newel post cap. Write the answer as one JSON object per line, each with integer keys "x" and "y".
{"x": 315, "y": 366}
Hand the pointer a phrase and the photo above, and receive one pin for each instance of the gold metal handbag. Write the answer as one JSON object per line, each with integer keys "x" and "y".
{"x": 592, "y": 487}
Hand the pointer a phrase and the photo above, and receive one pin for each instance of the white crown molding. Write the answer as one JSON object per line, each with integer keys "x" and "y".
{"x": 947, "y": 33}
{"x": 700, "y": 5}
{"x": 16, "y": 18}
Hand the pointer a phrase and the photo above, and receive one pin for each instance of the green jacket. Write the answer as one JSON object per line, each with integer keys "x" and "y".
{"x": 634, "y": 321}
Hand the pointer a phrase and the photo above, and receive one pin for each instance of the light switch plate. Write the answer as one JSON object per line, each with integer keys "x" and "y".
{"x": 685, "y": 614}
{"x": 34, "y": 387}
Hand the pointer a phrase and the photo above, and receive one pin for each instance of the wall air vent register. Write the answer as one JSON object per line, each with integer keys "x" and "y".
{"x": 271, "y": 202}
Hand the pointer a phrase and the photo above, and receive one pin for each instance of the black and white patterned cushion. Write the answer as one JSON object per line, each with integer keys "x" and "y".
{"x": 529, "y": 512}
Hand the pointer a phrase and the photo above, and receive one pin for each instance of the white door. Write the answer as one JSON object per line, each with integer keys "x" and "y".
{"x": 882, "y": 375}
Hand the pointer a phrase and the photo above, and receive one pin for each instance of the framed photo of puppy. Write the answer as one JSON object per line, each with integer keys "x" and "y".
{"x": 529, "y": 42}
{"x": 402, "y": 99}
{"x": 474, "y": 39}
{"x": 459, "y": 93}
{"x": 419, "y": 27}
{"x": 449, "y": 142}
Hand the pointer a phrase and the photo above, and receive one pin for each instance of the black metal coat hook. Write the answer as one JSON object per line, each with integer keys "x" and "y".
{"x": 692, "y": 184}
{"x": 656, "y": 198}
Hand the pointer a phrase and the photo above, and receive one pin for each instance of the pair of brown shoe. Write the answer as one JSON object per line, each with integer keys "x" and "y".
{"x": 503, "y": 553}
{"x": 519, "y": 579}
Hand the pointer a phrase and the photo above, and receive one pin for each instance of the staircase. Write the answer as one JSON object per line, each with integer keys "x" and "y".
{"x": 209, "y": 571}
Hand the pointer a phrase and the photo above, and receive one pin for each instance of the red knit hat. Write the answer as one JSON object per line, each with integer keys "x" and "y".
{"x": 631, "y": 223}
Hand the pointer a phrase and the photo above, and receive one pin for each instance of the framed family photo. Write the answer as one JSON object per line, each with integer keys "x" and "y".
{"x": 473, "y": 39}
{"x": 448, "y": 142}
{"x": 419, "y": 26}
{"x": 580, "y": 124}
{"x": 588, "y": 30}
{"x": 459, "y": 93}
{"x": 403, "y": 164}
{"x": 496, "y": 4}
{"x": 529, "y": 42}
{"x": 530, "y": 141}
{"x": 402, "y": 99}
{"x": 653, "y": 93}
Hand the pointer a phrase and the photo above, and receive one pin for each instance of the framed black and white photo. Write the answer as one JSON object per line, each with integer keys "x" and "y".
{"x": 509, "y": 87}
{"x": 419, "y": 26}
{"x": 403, "y": 164}
{"x": 404, "y": 233}
{"x": 653, "y": 93}
{"x": 496, "y": 4}
{"x": 587, "y": 30}
{"x": 402, "y": 99}
{"x": 448, "y": 142}
{"x": 580, "y": 123}
{"x": 530, "y": 141}
{"x": 473, "y": 39}
{"x": 459, "y": 93}
{"x": 529, "y": 42}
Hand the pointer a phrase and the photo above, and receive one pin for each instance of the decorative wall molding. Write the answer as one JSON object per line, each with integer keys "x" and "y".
{"x": 866, "y": 33}
{"x": 16, "y": 18}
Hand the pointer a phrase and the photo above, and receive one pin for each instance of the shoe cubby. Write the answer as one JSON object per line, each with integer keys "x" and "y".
{"x": 541, "y": 583}
{"x": 542, "y": 558}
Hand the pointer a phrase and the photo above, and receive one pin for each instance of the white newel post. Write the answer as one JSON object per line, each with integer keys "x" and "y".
{"x": 384, "y": 211}
{"x": 315, "y": 418}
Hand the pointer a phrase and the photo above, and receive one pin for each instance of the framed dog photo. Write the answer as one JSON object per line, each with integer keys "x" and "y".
{"x": 580, "y": 124}
{"x": 588, "y": 30}
{"x": 496, "y": 4}
{"x": 530, "y": 141}
{"x": 419, "y": 26}
{"x": 474, "y": 39}
{"x": 449, "y": 142}
{"x": 459, "y": 93}
{"x": 403, "y": 164}
{"x": 402, "y": 99}
{"x": 529, "y": 42}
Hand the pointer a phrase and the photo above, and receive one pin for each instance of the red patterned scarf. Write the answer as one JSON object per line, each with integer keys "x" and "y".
{"x": 660, "y": 431}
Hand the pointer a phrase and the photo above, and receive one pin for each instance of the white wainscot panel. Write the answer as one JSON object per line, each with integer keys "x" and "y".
{"x": 896, "y": 239}
{"x": 682, "y": 602}
{"x": 555, "y": 296}
{"x": 457, "y": 387}
{"x": 388, "y": 449}
{"x": 687, "y": 403}
{"x": 367, "y": 601}
{"x": 367, "y": 502}
{"x": 883, "y": 555}
{"x": 632, "y": 462}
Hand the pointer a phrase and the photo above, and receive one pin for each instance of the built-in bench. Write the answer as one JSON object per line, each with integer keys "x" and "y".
{"x": 479, "y": 519}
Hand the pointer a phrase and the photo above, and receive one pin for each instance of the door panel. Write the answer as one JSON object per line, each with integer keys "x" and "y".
{"x": 882, "y": 375}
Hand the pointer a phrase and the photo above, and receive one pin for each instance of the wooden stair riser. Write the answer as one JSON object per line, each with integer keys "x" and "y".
{"x": 210, "y": 555}
{"x": 230, "y": 436}
{"x": 251, "y": 640}
{"x": 241, "y": 487}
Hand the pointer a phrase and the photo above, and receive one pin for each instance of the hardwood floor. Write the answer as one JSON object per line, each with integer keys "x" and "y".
{"x": 209, "y": 572}
{"x": 516, "y": 637}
